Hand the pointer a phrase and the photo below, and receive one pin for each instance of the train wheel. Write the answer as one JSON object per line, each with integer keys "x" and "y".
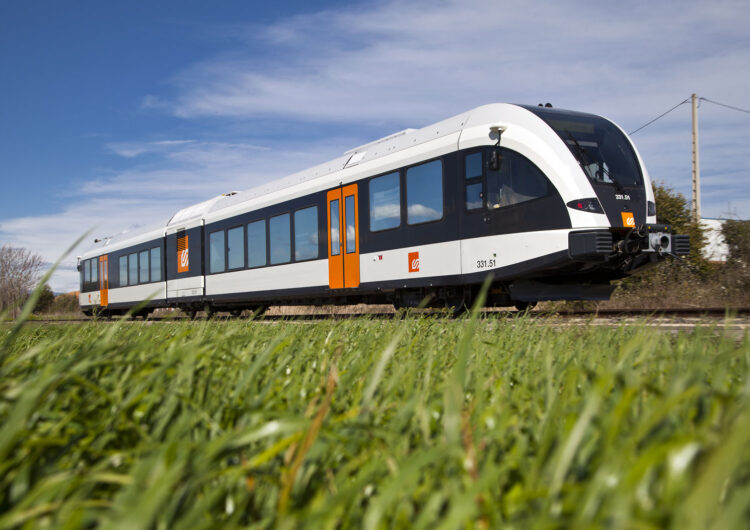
{"x": 457, "y": 305}
{"x": 190, "y": 313}
{"x": 235, "y": 312}
{"x": 525, "y": 306}
{"x": 209, "y": 310}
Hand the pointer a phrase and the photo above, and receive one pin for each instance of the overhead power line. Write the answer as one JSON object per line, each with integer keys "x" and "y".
{"x": 725, "y": 105}
{"x": 738, "y": 109}
{"x": 659, "y": 116}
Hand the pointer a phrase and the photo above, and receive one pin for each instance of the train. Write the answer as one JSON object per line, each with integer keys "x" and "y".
{"x": 553, "y": 204}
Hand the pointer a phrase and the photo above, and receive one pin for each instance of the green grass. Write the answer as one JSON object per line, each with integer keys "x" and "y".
{"x": 484, "y": 423}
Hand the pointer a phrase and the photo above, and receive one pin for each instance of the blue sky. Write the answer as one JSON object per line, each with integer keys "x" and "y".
{"x": 118, "y": 114}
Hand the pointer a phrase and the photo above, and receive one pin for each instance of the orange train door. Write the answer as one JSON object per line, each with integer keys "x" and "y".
{"x": 343, "y": 237}
{"x": 103, "y": 281}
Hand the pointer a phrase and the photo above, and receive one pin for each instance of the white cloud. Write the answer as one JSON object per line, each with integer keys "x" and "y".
{"x": 134, "y": 149}
{"x": 424, "y": 60}
{"x": 407, "y": 64}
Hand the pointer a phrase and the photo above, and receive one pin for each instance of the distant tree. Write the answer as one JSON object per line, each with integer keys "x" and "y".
{"x": 46, "y": 299}
{"x": 66, "y": 304}
{"x": 737, "y": 237}
{"x": 19, "y": 272}
{"x": 736, "y": 273}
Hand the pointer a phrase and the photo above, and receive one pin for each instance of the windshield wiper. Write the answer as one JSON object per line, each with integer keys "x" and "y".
{"x": 582, "y": 158}
{"x": 584, "y": 162}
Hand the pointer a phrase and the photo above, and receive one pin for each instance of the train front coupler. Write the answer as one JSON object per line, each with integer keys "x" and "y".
{"x": 653, "y": 239}
{"x": 647, "y": 245}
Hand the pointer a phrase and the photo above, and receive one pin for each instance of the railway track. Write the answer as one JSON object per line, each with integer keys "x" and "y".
{"x": 613, "y": 315}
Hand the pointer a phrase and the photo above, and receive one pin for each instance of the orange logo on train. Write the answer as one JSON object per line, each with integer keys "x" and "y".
{"x": 413, "y": 261}
{"x": 183, "y": 256}
{"x": 628, "y": 220}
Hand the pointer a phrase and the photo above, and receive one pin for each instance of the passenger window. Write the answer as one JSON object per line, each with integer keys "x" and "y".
{"x": 473, "y": 165}
{"x": 216, "y": 251}
{"x": 132, "y": 269}
{"x": 156, "y": 264}
{"x": 335, "y": 227}
{"x": 235, "y": 248}
{"x": 256, "y": 244}
{"x": 517, "y": 181}
{"x": 280, "y": 239}
{"x": 473, "y": 172}
{"x": 143, "y": 267}
{"x": 123, "y": 271}
{"x": 474, "y": 196}
{"x": 424, "y": 193}
{"x": 94, "y": 270}
{"x": 385, "y": 202}
{"x": 306, "y": 234}
{"x": 351, "y": 227}
{"x": 87, "y": 271}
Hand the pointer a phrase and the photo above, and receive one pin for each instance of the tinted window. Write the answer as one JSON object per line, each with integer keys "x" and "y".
{"x": 474, "y": 196}
{"x": 517, "y": 181}
{"x": 123, "y": 271}
{"x": 132, "y": 269}
{"x": 87, "y": 271}
{"x": 280, "y": 239}
{"x": 143, "y": 266}
{"x": 424, "y": 192}
{"x": 216, "y": 250}
{"x": 235, "y": 248}
{"x": 385, "y": 202}
{"x": 473, "y": 163}
{"x": 256, "y": 244}
{"x": 306, "y": 233}
{"x": 94, "y": 270}
{"x": 349, "y": 210}
{"x": 335, "y": 227}
{"x": 156, "y": 264}
{"x": 602, "y": 150}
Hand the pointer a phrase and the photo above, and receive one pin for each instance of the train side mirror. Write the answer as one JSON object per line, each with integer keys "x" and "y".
{"x": 495, "y": 160}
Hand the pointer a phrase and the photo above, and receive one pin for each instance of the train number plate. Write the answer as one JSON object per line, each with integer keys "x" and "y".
{"x": 486, "y": 263}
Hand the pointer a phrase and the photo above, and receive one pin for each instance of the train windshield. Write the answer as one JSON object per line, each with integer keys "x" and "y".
{"x": 602, "y": 150}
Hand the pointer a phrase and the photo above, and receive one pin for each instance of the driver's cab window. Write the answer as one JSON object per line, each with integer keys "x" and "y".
{"x": 517, "y": 180}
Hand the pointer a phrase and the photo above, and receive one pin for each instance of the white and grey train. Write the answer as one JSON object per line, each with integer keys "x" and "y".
{"x": 554, "y": 203}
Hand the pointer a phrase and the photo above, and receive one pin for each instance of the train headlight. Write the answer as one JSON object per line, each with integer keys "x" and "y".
{"x": 591, "y": 205}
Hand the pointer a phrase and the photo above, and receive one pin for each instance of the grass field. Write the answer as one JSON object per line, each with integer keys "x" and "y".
{"x": 424, "y": 422}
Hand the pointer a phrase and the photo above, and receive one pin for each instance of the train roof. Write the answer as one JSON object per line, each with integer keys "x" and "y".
{"x": 501, "y": 113}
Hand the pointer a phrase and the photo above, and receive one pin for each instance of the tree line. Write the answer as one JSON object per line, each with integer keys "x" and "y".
{"x": 20, "y": 271}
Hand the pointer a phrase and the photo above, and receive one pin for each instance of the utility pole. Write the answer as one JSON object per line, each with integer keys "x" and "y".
{"x": 696, "y": 165}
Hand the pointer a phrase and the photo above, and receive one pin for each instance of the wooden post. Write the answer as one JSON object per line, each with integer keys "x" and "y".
{"x": 696, "y": 165}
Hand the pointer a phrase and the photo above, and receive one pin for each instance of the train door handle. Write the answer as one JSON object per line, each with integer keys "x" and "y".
{"x": 487, "y": 218}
